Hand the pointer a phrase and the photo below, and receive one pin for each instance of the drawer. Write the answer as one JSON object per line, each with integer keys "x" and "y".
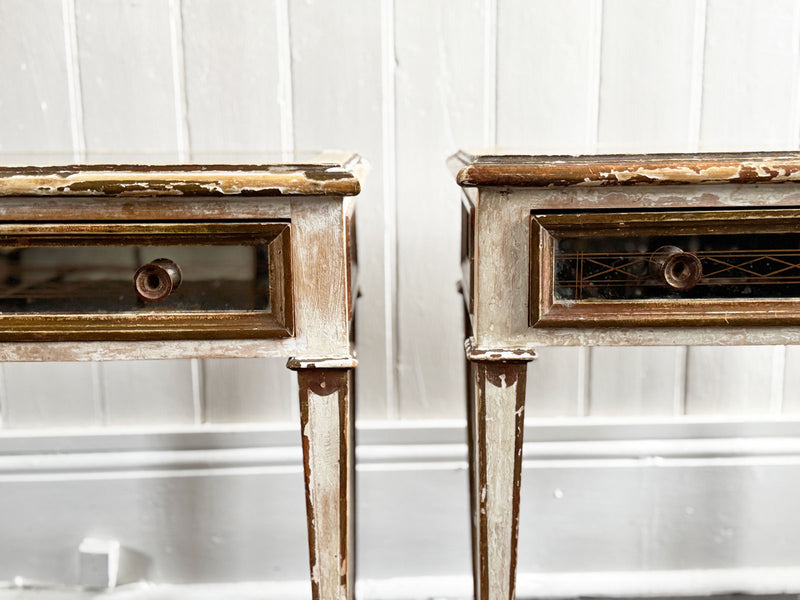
{"x": 665, "y": 268}
{"x": 145, "y": 280}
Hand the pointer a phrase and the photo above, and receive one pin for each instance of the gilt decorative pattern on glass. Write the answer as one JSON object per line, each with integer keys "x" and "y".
{"x": 682, "y": 266}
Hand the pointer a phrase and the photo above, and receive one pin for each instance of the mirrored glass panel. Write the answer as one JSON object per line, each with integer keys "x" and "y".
{"x": 115, "y": 278}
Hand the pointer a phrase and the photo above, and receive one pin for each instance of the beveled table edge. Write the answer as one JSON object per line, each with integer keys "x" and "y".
{"x": 495, "y": 168}
{"x": 331, "y": 173}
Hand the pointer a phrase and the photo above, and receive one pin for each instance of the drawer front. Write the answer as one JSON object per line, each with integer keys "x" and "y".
{"x": 136, "y": 281}
{"x": 672, "y": 268}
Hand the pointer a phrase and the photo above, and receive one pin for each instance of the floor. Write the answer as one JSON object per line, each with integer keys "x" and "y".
{"x": 251, "y": 591}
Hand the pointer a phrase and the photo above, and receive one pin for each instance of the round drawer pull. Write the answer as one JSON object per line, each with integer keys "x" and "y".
{"x": 157, "y": 279}
{"x": 676, "y": 269}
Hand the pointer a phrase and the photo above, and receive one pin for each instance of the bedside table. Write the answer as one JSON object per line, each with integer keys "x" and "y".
{"x": 607, "y": 250}
{"x": 105, "y": 262}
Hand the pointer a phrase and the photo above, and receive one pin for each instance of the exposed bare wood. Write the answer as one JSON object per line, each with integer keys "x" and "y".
{"x": 502, "y": 355}
{"x": 663, "y": 197}
{"x": 108, "y": 208}
{"x": 321, "y": 317}
{"x": 613, "y": 170}
{"x": 146, "y": 350}
{"x": 180, "y": 180}
{"x": 498, "y": 416}
{"x": 553, "y": 258}
{"x": 652, "y": 336}
{"x": 328, "y": 457}
{"x": 501, "y": 264}
{"x": 344, "y": 362}
{"x": 295, "y": 298}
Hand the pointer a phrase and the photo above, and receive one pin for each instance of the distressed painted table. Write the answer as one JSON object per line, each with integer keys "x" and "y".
{"x": 105, "y": 262}
{"x": 608, "y": 250}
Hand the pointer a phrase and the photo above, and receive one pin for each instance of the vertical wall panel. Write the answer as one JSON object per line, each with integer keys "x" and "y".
{"x": 148, "y": 392}
{"x": 247, "y": 389}
{"x": 561, "y": 85}
{"x": 33, "y": 95}
{"x": 547, "y": 102}
{"x": 749, "y": 102}
{"x": 231, "y": 54}
{"x": 732, "y": 380}
{"x": 51, "y": 395}
{"x": 546, "y": 65}
{"x": 626, "y": 382}
{"x": 645, "y": 85}
{"x": 791, "y": 381}
{"x": 34, "y": 101}
{"x": 336, "y": 76}
{"x": 750, "y": 75}
{"x": 439, "y": 108}
{"x": 127, "y": 77}
{"x": 644, "y": 106}
{"x": 128, "y": 87}
{"x": 556, "y": 384}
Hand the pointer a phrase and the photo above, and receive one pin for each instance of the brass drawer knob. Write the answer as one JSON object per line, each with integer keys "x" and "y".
{"x": 675, "y": 268}
{"x": 157, "y": 279}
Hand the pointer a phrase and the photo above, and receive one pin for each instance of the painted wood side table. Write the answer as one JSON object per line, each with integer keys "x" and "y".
{"x": 105, "y": 262}
{"x": 607, "y": 250}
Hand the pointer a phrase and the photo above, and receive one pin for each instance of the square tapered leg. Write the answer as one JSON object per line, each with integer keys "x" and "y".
{"x": 496, "y": 404}
{"x": 326, "y": 418}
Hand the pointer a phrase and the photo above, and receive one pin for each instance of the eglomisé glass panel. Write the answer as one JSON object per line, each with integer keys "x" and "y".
{"x": 704, "y": 266}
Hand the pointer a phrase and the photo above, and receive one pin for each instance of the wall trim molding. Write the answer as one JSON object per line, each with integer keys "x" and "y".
{"x": 419, "y": 468}
{"x": 269, "y": 448}
{"x": 756, "y": 582}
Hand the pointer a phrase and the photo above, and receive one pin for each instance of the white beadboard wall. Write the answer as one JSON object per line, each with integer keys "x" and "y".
{"x": 405, "y": 83}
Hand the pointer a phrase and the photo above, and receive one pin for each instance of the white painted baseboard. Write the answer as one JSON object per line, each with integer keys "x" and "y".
{"x": 459, "y": 587}
{"x": 613, "y": 508}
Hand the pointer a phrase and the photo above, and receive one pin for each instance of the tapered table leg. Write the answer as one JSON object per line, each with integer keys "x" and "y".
{"x": 496, "y": 411}
{"x": 471, "y": 457}
{"x": 329, "y": 467}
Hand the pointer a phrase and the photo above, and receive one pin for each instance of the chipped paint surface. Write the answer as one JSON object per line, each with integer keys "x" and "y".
{"x": 666, "y": 197}
{"x": 315, "y": 178}
{"x": 146, "y": 350}
{"x": 344, "y": 362}
{"x": 496, "y": 458}
{"x": 500, "y": 428}
{"x": 655, "y": 336}
{"x": 322, "y": 433}
{"x": 320, "y": 276}
{"x": 328, "y": 457}
{"x": 623, "y": 170}
{"x": 499, "y": 355}
{"x": 100, "y": 197}
{"x": 508, "y": 190}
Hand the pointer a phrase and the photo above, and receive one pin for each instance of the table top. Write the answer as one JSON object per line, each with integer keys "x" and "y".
{"x": 333, "y": 173}
{"x": 509, "y": 168}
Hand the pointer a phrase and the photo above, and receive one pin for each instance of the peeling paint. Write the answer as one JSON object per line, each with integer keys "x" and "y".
{"x": 476, "y": 353}
{"x": 344, "y": 362}
{"x": 623, "y": 170}
{"x": 323, "y": 434}
{"x": 182, "y": 180}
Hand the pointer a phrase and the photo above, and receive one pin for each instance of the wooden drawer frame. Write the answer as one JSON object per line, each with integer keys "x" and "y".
{"x": 277, "y": 322}
{"x": 547, "y": 312}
